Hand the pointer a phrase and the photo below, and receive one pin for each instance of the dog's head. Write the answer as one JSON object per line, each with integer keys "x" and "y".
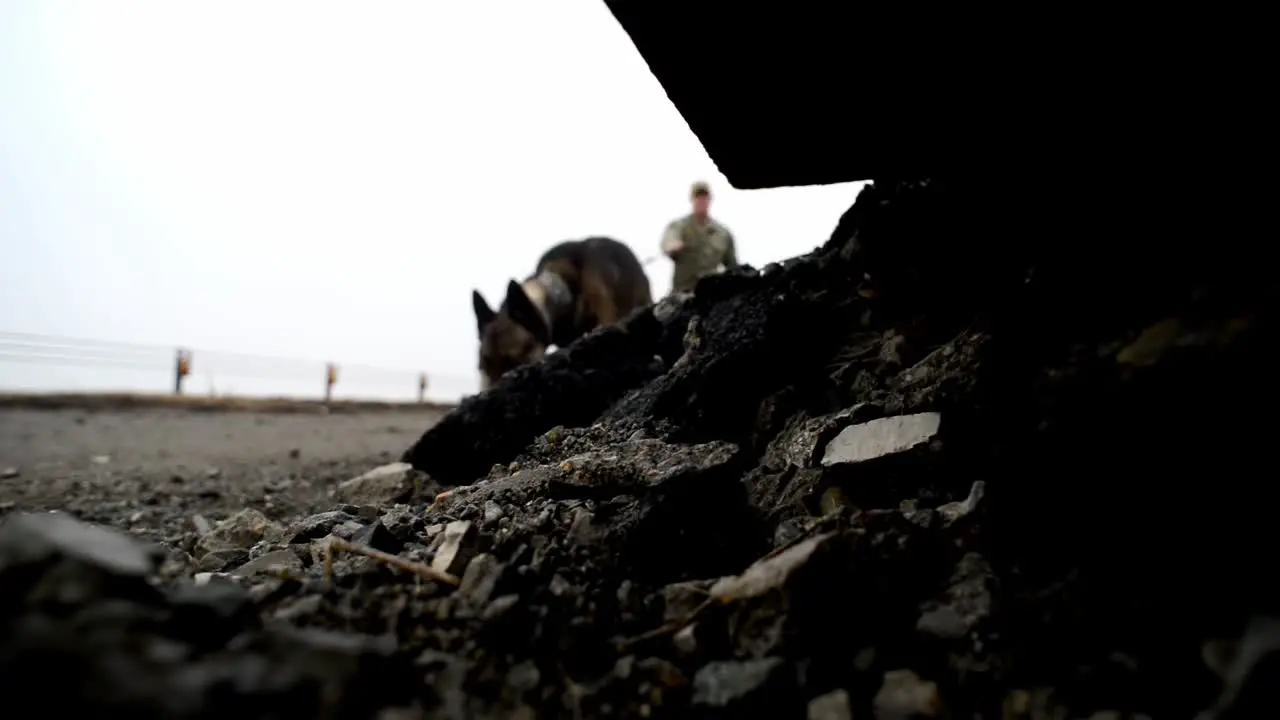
{"x": 515, "y": 335}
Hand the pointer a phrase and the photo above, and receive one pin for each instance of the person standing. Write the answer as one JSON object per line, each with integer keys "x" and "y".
{"x": 697, "y": 244}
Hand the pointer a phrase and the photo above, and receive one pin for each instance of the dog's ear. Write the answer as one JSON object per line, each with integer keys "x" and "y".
{"x": 484, "y": 314}
{"x": 522, "y": 310}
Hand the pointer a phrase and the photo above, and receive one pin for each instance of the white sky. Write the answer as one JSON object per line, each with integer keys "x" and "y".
{"x": 330, "y": 180}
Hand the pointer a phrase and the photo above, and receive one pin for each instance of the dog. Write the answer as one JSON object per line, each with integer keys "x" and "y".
{"x": 576, "y": 287}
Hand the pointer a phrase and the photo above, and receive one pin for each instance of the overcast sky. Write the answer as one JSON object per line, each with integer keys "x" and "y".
{"x": 330, "y": 180}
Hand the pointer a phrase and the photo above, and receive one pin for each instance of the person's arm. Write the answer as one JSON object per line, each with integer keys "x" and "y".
{"x": 730, "y": 252}
{"x": 672, "y": 244}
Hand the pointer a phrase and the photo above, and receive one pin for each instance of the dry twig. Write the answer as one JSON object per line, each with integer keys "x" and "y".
{"x": 399, "y": 563}
{"x": 670, "y": 628}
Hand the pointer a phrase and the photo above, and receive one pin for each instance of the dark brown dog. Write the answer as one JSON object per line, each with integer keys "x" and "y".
{"x": 577, "y": 287}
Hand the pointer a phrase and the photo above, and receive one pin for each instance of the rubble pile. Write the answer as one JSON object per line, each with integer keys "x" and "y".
{"x": 948, "y": 465}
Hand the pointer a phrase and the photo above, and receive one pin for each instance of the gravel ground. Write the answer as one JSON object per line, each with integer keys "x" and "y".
{"x": 150, "y": 470}
{"x": 976, "y": 494}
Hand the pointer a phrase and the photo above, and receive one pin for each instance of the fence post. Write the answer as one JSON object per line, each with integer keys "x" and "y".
{"x": 422, "y": 388}
{"x": 181, "y": 369}
{"x": 330, "y": 379}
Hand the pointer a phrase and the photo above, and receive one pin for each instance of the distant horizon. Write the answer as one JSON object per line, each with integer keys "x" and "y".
{"x": 93, "y": 365}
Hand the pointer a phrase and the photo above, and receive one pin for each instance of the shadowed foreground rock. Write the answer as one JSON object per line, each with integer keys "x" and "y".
{"x": 930, "y": 470}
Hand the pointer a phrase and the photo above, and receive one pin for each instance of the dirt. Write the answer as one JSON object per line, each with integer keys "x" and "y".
{"x": 166, "y": 464}
{"x": 929, "y": 471}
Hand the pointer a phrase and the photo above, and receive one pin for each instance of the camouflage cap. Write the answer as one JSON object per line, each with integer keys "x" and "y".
{"x": 699, "y": 188}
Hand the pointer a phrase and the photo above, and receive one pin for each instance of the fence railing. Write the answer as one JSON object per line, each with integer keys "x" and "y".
{"x": 156, "y": 368}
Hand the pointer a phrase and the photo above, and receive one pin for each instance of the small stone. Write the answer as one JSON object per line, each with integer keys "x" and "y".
{"x": 769, "y": 573}
{"x": 967, "y": 602}
{"x": 9, "y": 473}
{"x": 832, "y": 501}
{"x": 878, "y": 438}
{"x": 385, "y": 485}
{"x": 524, "y": 677}
{"x": 953, "y": 511}
{"x": 493, "y": 512}
{"x": 1152, "y": 344}
{"x": 238, "y": 532}
{"x": 800, "y": 442}
{"x": 295, "y": 453}
{"x": 500, "y": 606}
{"x": 686, "y": 640}
{"x": 317, "y": 526}
{"x": 300, "y": 608}
{"x": 832, "y": 706}
{"x": 279, "y": 560}
{"x": 457, "y": 547}
{"x": 347, "y": 530}
{"x": 904, "y": 696}
{"x": 1247, "y": 667}
{"x": 204, "y": 578}
{"x": 378, "y": 537}
{"x": 201, "y": 524}
{"x": 100, "y": 459}
{"x": 218, "y": 560}
{"x": 638, "y": 464}
{"x": 210, "y": 603}
{"x": 737, "y": 684}
{"x": 33, "y": 545}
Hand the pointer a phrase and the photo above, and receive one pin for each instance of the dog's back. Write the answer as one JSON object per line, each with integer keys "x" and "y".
{"x": 606, "y": 278}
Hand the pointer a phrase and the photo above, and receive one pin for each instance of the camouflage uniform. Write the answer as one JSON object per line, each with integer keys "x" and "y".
{"x": 705, "y": 248}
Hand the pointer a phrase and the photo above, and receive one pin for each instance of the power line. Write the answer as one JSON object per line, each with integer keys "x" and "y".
{"x": 34, "y": 358}
{"x": 53, "y": 350}
{"x": 26, "y": 341}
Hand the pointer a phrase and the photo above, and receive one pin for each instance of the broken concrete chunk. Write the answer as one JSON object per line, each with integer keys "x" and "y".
{"x": 768, "y": 574}
{"x": 878, "y": 438}
{"x": 904, "y": 696}
{"x": 386, "y": 485}
{"x": 238, "y": 532}
{"x": 832, "y": 706}
{"x": 457, "y": 547}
